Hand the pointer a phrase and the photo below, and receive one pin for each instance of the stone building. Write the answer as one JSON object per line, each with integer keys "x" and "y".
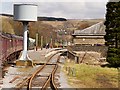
{"x": 93, "y": 35}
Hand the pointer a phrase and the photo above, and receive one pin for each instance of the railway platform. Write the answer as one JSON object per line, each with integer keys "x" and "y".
{"x": 15, "y": 74}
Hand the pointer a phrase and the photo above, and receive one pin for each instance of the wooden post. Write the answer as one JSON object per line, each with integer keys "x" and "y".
{"x": 36, "y": 41}
{"x": 51, "y": 44}
{"x": 41, "y": 42}
{"x": 46, "y": 40}
{"x": 1, "y": 72}
{"x": 74, "y": 72}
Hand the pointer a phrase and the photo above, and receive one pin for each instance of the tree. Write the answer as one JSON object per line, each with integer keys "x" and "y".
{"x": 44, "y": 29}
{"x": 112, "y": 36}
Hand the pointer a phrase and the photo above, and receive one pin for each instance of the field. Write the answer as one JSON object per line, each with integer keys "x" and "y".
{"x": 90, "y": 76}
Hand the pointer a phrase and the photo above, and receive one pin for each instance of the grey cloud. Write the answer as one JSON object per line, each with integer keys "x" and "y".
{"x": 95, "y": 9}
{"x": 74, "y": 10}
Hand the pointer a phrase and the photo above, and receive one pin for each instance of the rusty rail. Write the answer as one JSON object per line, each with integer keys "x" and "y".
{"x": 50, "y": 77}
{"x": 29, "y": 78}
{"x": 52, "y": 83}
{"x": 51, "y": 80}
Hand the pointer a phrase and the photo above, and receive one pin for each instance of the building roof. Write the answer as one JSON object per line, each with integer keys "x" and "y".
{"x": 96, "y": 29}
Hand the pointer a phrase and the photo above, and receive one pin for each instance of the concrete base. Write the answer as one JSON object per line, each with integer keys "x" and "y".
{"x": 24, "y": 63}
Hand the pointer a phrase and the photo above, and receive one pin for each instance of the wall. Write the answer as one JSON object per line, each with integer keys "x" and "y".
{"x": 91, "y": 41}
{"x": 101, "y": 49}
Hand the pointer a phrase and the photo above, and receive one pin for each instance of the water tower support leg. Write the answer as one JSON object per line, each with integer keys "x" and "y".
{"x": 24, "y": 60}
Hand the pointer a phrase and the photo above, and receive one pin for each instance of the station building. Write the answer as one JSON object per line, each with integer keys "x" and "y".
{"x": 93, "y": 35}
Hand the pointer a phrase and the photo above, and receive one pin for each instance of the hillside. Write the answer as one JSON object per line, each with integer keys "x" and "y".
{"x": 40, "y": 18}
{"x": 48, "y": 29}
{"x": 72, "y": 24}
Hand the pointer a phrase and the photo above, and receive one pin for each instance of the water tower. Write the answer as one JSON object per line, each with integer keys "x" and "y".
{"x": 25, "y": 13}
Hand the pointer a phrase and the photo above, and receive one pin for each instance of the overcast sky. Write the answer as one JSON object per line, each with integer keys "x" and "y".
{"x": 70, "y": 9}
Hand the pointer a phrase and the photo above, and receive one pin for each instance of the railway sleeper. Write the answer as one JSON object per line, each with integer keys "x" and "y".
{"x": 44, "y": 63}
{"x": 42, "y": 76}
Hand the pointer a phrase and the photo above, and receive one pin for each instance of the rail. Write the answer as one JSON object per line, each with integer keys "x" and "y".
{"x": 50, "y": 79}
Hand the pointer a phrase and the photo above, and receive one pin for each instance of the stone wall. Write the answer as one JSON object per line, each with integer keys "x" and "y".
{"x": 88, "y": 41}
{"x": 100, "y": 49}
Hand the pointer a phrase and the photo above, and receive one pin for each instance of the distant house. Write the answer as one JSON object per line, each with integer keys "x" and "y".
{"x": 93, "y": 35}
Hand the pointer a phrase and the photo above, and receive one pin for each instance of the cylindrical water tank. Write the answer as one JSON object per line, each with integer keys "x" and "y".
{"x": 25, "y": 12}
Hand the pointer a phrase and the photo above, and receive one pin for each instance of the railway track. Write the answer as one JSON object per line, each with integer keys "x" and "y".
{"x": 43, "y": 77}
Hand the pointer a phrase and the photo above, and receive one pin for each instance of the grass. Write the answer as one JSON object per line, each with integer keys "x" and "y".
{"x": 89, "y": 76}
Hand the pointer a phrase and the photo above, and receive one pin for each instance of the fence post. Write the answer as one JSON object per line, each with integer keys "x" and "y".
{"x": 74, "y": 72}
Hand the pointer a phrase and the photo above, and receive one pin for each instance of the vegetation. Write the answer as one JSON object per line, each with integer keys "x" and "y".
{"x": 89, "y": 76}
{"x": 41, "y": 18}
{"x": 112, "y": 36}
{"x": 15, "y": 27}
{"x": 83, "y": 26}
{"x": 57, "y": 29}
{"x": 45, "y": 30}
{"x": 6, "y": 26}
{"x": 51, "y": 19}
